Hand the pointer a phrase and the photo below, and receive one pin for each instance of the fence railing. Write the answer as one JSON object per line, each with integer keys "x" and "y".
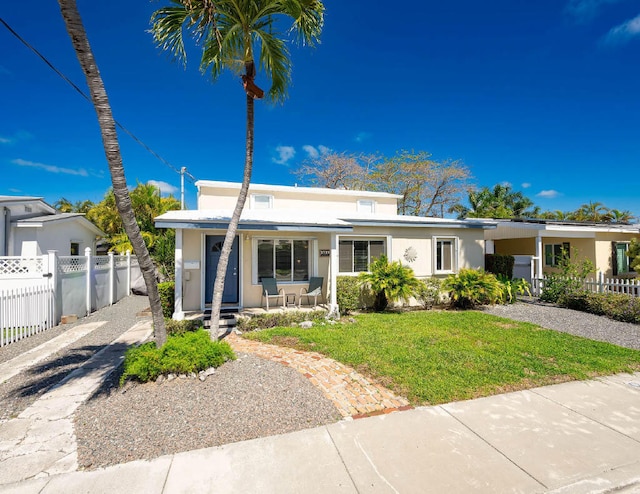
{"x": 35, "y": 292}
{"x": 24, "y": 311}
{"x": 600, "y": 284}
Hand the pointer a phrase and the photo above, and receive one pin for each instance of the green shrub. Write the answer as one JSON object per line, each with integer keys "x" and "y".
{"x": 428, "y": 292}
{"x": 618, "y": 306}
{"x": 472, "y": 287}
{"x": 175, "y": 328}
{"x": 279, "y": 319}
{"x": 167, "y": 291}
{"x": 348, "y": 293}
{"x": 182, "y": 354}
{"x": 512, "y": 288}
{"x": 569, "y": 281}
{"x": 389, "y": 281}
{"x": 499, "y": 264}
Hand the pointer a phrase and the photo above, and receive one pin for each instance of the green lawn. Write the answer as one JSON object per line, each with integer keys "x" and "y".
{"x": 436, "y": 357}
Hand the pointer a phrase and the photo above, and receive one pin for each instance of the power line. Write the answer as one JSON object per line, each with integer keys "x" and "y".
{"x": 86, "y": 97}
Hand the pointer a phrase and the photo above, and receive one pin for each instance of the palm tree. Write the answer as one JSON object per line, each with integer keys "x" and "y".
{"x": 80, "y": 42}
{"x": 594, "y": 211}
{"x": 617, "y": 216}
{"x": 241, "y": 35}
{"x": 63, "y": 205}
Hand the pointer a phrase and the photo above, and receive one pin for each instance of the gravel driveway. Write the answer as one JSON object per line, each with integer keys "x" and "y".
{"x": 574, "y": 322}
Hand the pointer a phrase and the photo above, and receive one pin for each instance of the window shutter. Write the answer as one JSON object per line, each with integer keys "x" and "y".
{"x": 614, "y": 258}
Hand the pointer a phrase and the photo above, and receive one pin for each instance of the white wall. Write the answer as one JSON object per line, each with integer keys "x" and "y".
{"x": 33, "y": 241}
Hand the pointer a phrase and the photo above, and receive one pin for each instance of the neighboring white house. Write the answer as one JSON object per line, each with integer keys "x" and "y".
{"x": 295, "y": 233}
{"x": 30, "y": 227}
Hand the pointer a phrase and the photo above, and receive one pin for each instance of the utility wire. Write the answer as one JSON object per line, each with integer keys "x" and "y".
{"x": 86, "y": 97}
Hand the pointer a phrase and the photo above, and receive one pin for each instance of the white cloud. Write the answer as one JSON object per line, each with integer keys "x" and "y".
{"x": 363, "y": 136}
{"x": 312, "y": 152}
{"x": 165, "y": 188}
{"x": 584, "y": 10}
{"x": 5, "y": 140}
{"x": 51, "y": 168}
{"x": 285, "y": 154}
{"x": 624, "y": 32}
{"x": 506, "y": 184}
{"x": 525, "y": 185}
{"x": 548, "y": 194}
{"x": 15, "y": 191}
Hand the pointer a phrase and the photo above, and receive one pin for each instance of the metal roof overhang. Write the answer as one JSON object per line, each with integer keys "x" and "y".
{"x": 251, "y": 226}
{"x": 420, "y": 224}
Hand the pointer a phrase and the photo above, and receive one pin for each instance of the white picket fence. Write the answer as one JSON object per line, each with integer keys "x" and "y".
{"x": 35, "y": 292}
{"x": 25, "y": 310}
{"x": 598, "y": 285}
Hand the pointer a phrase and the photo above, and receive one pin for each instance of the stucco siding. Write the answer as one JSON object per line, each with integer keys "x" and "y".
{"x": 191, "y": 288}
{"x": 516, "y": 247}
{"x": 604, "y": 250}
{"x": 214, "y": 198}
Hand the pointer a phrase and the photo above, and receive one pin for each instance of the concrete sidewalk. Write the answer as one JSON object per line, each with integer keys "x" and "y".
{"x": 575, "y": 437}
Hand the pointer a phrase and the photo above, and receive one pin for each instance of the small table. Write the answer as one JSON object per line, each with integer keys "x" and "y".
{"x": 291, "y": 300}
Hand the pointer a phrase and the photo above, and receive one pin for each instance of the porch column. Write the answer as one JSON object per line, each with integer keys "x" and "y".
{"x": 178, "y": 313}
{"x": 539, "y": 256}
{"x": 334, "y": 310}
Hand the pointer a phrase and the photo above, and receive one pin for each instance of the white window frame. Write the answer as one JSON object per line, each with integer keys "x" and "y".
{"x": 254, "y": 203}
{"x": 386, "y": 243}
{"x": 627, "y": 258}
{"x": 563, "y": 245}
{"x": 454, "y": 257}
{"x": 313, "y": 258}
{"x": 366, "y": 206}
{"x": 75, "y": 241}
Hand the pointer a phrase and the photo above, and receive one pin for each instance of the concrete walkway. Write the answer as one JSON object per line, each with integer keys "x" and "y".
{"x": 41, "y": 442}
{"x": 578, "y": 437}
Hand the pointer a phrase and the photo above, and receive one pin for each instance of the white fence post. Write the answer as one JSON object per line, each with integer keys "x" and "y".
{"x": 56, "y": 297}
{"x": 112, "y": 267}
{"x": 87, "y": 253}
{"x": 600, "y": 282}
{"x": 128, "y": 273}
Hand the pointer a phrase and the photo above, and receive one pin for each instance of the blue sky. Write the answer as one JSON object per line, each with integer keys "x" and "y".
{"x": 543, "y": 95}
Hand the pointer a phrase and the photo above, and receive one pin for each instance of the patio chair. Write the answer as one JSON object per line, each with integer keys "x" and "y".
{"x": 270, "y": 290}
{"x": 314, "y": 290}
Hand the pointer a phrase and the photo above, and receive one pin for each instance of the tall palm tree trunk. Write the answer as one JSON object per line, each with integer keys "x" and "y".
{"x": 80, "y": 42}
{"x": 218, "y": 286}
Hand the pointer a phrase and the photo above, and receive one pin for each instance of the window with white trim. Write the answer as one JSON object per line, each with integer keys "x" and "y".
{"x": 261, "y": 201}
{"x": 286, "y": 260}
{"x": 446, "y": 254}
{"x": 366, "y": 206}
{"x": 621, "y": 261}
{"x": 355, "y": 256}
{"x": 553, "y": 253}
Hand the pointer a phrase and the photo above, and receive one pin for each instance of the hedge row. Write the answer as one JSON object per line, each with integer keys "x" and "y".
{"x": 617, "y": 306}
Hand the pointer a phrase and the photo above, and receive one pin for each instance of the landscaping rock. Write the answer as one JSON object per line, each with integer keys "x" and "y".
{"x": 306, "y": 324}
{"x": 171, "y": 377}
{"x": 161, "y": 378}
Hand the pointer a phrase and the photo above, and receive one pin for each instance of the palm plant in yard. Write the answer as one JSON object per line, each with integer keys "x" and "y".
{"x": 243, "y": 36}
{"x": 389, "y": 282}
{"x": 80, "y": 42}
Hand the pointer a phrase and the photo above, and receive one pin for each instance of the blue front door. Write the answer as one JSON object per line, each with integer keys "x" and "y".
{"x": 214, "y": 249}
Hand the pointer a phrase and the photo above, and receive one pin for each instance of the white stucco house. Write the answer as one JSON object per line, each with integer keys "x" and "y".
{"x": 295, "y": 233}
{"x": 30, "y": 227}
